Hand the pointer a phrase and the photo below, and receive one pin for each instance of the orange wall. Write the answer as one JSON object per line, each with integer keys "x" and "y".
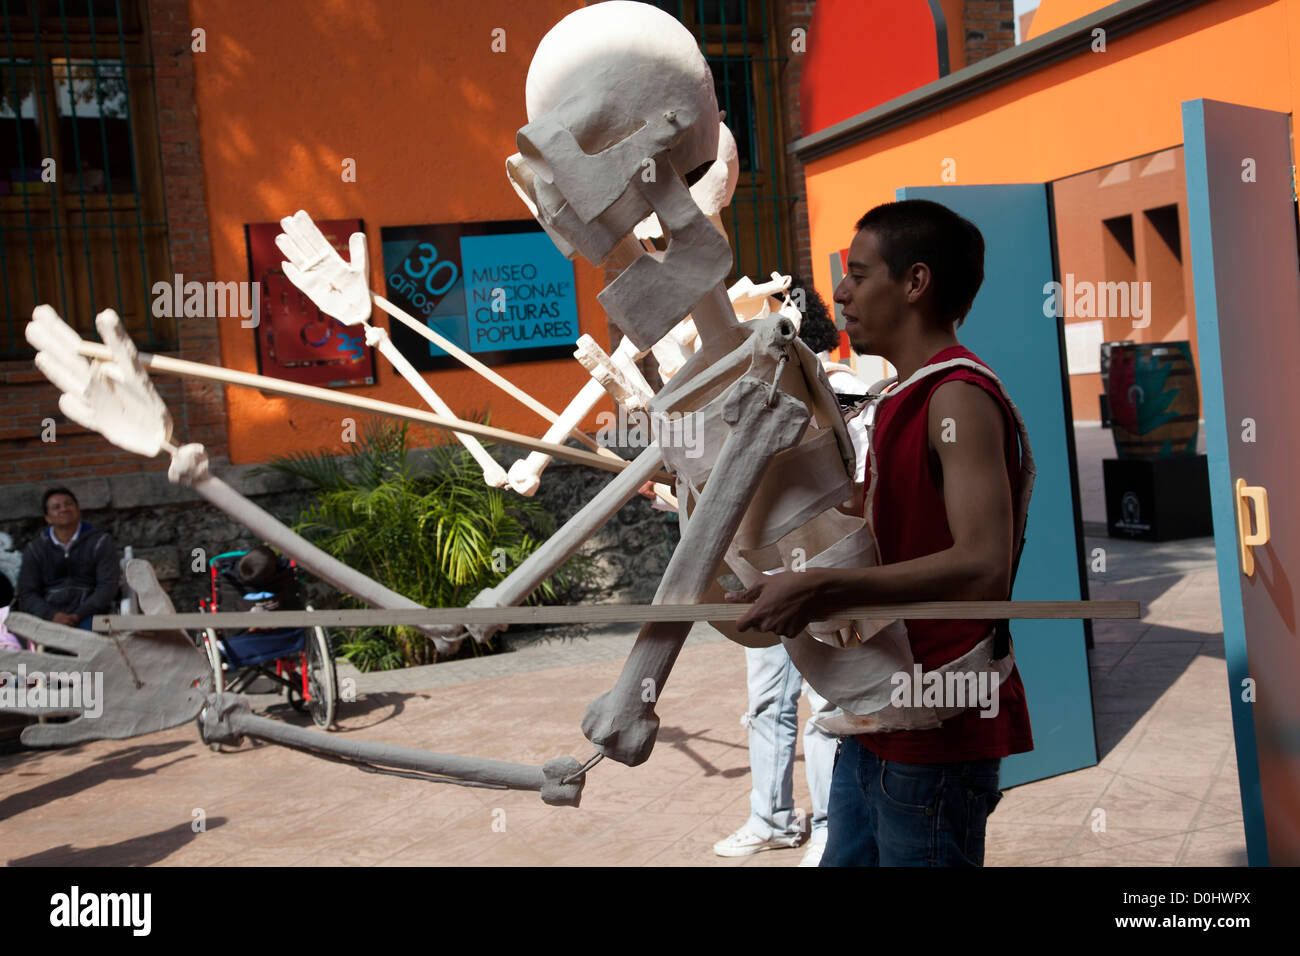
{"x": 1051, "y": 14}
{"x": 1088, "y": 111}
{"x": 413, "y": 92}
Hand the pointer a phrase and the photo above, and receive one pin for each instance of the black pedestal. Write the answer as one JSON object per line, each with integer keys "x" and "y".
{"x": 1158, "y": 499}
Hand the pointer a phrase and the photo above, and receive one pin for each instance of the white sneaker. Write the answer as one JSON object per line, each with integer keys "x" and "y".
{"x": 745, "y": 842}
{"x": 813, "y": 855}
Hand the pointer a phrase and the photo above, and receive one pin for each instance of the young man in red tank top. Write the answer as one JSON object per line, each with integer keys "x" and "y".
{"x": 947, "y": 458}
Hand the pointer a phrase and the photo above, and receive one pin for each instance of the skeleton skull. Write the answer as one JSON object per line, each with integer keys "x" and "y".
{"x": 604, "y": 149}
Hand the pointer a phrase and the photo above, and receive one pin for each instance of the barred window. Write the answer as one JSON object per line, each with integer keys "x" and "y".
{"x": 82, "y": 220}
{"x": 738, "y": 38}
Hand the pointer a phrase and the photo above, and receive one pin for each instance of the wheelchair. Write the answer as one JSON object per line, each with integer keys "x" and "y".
{"x": 298, "y": 659}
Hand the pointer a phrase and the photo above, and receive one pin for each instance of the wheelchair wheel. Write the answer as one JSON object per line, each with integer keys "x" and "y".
{"x": 322, "y": 679}
{"x": 218, "y": 679}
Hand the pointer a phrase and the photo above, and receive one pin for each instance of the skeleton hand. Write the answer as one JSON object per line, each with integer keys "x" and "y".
{"x": 118, "y": 687}
{"x": 340, "y": 289}
{"x": 113, "y": 398}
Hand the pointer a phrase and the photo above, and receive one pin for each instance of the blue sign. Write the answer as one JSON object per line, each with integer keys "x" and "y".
{"x": 500, "y": 288}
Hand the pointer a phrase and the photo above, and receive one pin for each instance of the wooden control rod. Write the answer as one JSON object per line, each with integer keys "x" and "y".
{"x": 165, "y": 365}
{"x": 610, "y": 613}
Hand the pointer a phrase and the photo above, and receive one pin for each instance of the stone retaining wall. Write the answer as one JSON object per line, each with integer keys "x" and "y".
{"x": 164, "y": 524}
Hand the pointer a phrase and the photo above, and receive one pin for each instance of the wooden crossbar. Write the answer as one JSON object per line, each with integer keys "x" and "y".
{"x": 165, "y": 365}
{"x": 611, "y": 613}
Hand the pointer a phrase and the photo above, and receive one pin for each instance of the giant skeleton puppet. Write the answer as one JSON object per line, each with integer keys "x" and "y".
{"x": 621, "y": 108}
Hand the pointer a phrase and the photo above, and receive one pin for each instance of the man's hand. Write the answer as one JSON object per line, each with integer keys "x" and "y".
{"x": 66, "y": 619}
{"x": 784, "y": 603}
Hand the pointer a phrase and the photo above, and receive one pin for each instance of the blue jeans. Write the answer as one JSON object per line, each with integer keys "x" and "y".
{"x": 885, "y": 813}
{"x": 773, "y": 720}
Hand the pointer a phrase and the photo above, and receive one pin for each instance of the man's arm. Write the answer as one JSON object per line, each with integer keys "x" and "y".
{"x": 967, "y": 433}
{"x": 108, "y": 575}
{"x": 31, "y": 589}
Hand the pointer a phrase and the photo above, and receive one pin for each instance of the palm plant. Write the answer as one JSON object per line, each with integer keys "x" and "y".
{"x": 437, "y": 535}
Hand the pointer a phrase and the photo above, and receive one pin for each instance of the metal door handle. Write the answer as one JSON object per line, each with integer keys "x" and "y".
{"x": 1247, "y": 540}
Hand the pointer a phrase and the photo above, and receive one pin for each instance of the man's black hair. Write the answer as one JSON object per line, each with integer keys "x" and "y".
{"x": 817, "y": 330}
{"x": 918, "y": 230}
{"x": 50, "y": 493}
{"x": 258, "y": 567}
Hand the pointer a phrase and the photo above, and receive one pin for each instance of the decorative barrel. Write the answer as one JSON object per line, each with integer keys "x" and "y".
{"x": 1153, "y": 399}
{"x": 1105, "y": 378}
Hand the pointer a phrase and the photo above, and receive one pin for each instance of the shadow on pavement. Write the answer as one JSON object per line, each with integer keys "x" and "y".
{"x": 137, "y": 851}
{"x": 680, "y": 740}
{"x": 119, "y": 765}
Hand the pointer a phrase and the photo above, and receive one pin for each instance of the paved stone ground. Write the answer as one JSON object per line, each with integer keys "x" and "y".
{"x": 1166, "y": 780}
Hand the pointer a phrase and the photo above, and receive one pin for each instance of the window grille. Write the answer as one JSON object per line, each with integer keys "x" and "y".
{"x": 82, "y": 222}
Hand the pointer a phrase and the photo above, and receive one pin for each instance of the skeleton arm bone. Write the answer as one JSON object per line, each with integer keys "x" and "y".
{"x": 553, "y": 552}
{"x": 190, "y": 468}
{"x": 419, "y": 328}
{"x": 493, "y": 473}
{"x": 341, "y": 289}
{"x": 615, "y": 375}
{"x": 116, "y": 399}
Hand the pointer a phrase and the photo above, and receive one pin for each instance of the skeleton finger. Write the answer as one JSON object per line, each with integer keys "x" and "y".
{"x": 119, "y": 343}
{"x": 311, "y": 240}
{"x": 79, "y": 410}
{"x": 70, "y": 374}
{"x": 286, "y": 244}
{"x": 360, "y": 257}
{"x": 298, "y": 228}
{"x": 56, "y": 735}
{"x": 49, "y": 634}
{"x": 47, "y": 331}
{"x": 37, "y": 661}
{"x": 29, "y": 710}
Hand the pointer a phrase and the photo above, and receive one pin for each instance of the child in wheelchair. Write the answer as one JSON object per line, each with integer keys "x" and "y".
{"x": 259, "y": 581}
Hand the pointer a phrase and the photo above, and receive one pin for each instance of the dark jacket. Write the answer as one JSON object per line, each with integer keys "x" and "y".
{"x": 82, "y": 582}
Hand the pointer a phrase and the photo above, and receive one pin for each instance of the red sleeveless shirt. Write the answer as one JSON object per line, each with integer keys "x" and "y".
{"x": 910, "y": 521}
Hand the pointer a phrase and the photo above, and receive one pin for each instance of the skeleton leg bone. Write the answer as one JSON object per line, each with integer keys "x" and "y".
{"x": 622, "y": 723}
{"x": 227, "y": 719}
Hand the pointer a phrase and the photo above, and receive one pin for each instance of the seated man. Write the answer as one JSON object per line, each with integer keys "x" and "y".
{"x": 71, "y": 570}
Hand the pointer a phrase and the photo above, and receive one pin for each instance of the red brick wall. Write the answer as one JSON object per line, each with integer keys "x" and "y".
{"x": 990, "y": 28}
{"x": 792, "y": 15}
{"x": 201, "y": 415}
{"x": 26, "y": 398}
